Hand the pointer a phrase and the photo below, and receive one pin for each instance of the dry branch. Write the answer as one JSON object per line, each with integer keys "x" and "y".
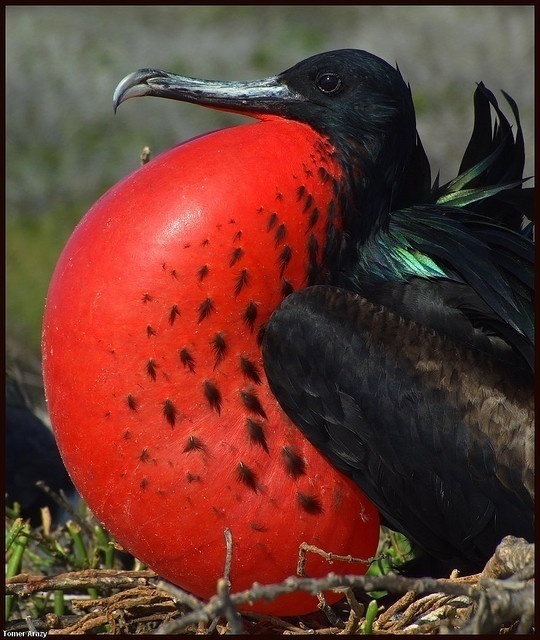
{"x": 25, "y": 585}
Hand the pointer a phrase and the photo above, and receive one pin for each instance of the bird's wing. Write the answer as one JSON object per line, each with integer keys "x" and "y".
{"x": 433, "y": 432}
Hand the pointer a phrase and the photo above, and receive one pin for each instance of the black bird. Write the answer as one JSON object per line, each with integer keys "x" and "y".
{"x": 31, "y": 455}
{"x": 409, "y": 360}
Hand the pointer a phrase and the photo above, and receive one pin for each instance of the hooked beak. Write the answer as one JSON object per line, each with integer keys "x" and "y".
{"x": 257, "y": 98}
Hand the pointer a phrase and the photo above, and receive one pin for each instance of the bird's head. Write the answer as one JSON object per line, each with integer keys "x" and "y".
{"x": 355, "y": 99}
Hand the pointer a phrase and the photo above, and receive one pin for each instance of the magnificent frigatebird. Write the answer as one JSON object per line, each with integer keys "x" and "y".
{"x": 392, "y": 318}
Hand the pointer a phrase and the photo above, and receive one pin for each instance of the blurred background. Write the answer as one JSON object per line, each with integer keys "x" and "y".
{"x": 65, "y": 146}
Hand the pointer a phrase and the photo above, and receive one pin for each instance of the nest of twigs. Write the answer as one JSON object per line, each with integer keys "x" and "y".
{"x": 499, "y": 600}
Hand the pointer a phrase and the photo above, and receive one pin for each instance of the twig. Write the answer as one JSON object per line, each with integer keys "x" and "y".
{"x": 228, "y": 610}
{"x": 25, "y": 585}
{"x": 394, "y": 610}
{"x": 228, "y": 556}
{"x": 356, "y": 613}
{"x": 327, "y": 555}
{"x": 179, "y": 596}
{"x": 145, "y": 156}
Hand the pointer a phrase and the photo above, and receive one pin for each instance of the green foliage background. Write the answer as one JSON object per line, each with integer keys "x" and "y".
{"x": 65, "y": 147}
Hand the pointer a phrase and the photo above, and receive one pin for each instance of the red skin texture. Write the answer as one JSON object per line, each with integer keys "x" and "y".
{"x": 163, "y": 462}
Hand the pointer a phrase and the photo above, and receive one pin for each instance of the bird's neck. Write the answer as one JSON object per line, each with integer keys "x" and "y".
{"x": 374, "y": 183}
{"x": 379, "y": 177}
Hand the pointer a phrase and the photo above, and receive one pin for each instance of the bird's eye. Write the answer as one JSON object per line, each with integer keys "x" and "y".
{"x": 329, "y": 83}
